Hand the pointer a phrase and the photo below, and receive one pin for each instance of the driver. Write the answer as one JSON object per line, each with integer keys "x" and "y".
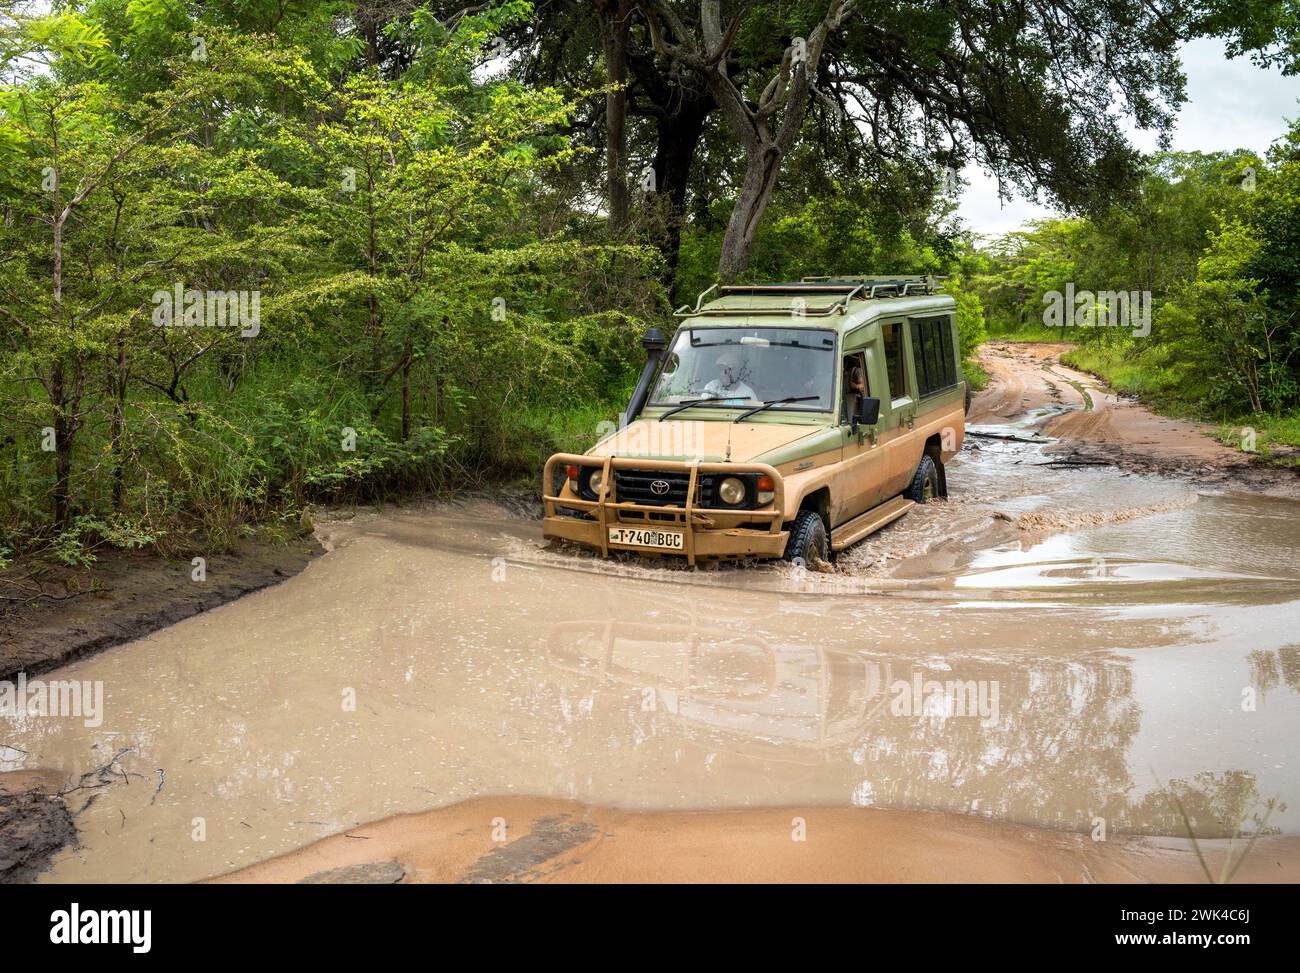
{"x": 728, "y": 384}
{"x": 855, "y": 385}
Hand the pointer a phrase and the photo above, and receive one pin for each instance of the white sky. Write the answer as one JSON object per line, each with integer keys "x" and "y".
{"x": 1231, "y": 105}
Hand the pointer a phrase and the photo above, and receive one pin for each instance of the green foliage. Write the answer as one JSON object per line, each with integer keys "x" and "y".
{"x": 972, "y": 330}
{"x": 1266, "y": 30}
{"x": 849, "y": 230}
{"x": 68, "y": 35}
{"x": 379, "y": 462}
{"x": 1213, "y": 238}
{"x": 414, "y": 325}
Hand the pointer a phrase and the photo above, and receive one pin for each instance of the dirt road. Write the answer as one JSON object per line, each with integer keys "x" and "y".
{"x": 1058, "y": 652}
{"x": 1030, "y": 388}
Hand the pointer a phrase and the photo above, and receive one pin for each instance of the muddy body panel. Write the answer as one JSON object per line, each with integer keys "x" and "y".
{"x": 663, "y": 484}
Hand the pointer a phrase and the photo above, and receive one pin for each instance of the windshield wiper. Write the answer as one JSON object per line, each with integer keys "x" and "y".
{"x": 686, "y": 404}
{"x": 768, "y": 405}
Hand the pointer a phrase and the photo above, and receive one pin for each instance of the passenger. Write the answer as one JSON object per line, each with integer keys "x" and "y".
{"x": 728, "y": 384}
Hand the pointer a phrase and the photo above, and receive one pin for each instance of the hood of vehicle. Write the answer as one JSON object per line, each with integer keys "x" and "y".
{"x": 701, "y": 440}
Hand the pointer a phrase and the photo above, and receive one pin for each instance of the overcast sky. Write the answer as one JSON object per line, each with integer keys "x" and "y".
{"x": 1231, "y": 105}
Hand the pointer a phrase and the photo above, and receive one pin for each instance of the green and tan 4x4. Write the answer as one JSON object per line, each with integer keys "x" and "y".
{"x": 783, "y": 420}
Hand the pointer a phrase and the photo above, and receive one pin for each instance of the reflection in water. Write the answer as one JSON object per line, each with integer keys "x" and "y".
{"x": 707, "y": 683}
{"x": 1269, "y": 669}
{"x": 1056, "y": 754}
{"x": 1211, "y": 805}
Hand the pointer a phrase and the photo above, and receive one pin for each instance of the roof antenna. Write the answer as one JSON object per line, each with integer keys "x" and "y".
{"x": 727, "y": 458}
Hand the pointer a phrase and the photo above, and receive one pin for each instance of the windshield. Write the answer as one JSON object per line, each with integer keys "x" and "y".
{"x": 750, "y": 366}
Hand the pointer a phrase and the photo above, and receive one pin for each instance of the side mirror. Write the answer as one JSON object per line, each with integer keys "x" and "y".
{"x": 868, "y": 413}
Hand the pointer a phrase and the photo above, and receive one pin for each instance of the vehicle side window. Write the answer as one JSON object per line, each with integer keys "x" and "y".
{"x": 893, "y": 335}
{"x": 933, "y": 354}
{"x": 854, "y": 383}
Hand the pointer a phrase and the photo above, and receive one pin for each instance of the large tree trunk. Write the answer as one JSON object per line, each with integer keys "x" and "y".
{"x": 768, "y": 128}
{"x": 62, "y": 448}
{"x": 762, "y": 164}
{"x": 374, "y": 380}
{"x": 679, "y": 136}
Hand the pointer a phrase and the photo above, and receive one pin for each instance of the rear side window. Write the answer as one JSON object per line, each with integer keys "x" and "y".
{"x": 932, "y": 354}
{"x": 893, "y": 335}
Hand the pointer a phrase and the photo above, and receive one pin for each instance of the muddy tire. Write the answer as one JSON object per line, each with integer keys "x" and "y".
{"x": 808, "y": 539}
{"x": 925, "y": 483}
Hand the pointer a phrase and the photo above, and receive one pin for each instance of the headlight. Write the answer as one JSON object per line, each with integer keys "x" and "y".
{"x": 731, "y": 491}
{"x": 596, "y": 480}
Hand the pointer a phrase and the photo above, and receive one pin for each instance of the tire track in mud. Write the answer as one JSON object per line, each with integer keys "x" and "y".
{"x": 1077, "y": 385}
{"x": 1005, "y": 394}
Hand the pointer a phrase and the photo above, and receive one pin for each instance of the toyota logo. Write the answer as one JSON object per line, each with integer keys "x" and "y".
{"x": 660, "y": 487}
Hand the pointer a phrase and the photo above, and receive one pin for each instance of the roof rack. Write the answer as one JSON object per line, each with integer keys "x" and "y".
{"x": 901, "y": 285}
{"x": 844, "y": 293}
{"x": 845, "y": 289}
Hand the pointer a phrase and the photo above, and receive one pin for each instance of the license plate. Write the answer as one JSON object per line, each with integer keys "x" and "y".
{"x": 646, "y": 537}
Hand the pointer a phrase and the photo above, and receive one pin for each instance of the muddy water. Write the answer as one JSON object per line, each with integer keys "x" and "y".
{"x": 1117, "y": 645}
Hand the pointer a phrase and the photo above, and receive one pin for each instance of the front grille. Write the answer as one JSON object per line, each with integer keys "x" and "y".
{"x": 636, "y": 486}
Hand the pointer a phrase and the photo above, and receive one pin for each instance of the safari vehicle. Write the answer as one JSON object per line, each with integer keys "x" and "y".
{"x": 782, "y": 420}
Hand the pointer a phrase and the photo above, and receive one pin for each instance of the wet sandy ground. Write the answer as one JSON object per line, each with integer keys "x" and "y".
{"x": 529, "y": 840}
{"x": 1061, "y": 648}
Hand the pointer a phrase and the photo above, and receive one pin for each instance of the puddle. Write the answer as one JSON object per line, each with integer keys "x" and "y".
{"x": 1096, "y": 667}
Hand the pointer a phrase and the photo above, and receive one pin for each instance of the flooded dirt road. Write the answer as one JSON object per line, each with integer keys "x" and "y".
{"x": 1059, "y": 645}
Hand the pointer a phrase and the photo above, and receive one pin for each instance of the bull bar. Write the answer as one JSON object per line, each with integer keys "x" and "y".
{"x": 704, "y": 535}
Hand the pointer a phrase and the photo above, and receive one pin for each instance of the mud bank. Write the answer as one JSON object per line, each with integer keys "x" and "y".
{"x": 34, "y": 824}
{"x": 532, "y": 840}
{"x": 126, "y": 595}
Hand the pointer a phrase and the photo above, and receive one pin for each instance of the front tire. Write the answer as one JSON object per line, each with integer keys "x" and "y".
{"x": 925, "y": 482}
{"x": 807, "y": 539}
